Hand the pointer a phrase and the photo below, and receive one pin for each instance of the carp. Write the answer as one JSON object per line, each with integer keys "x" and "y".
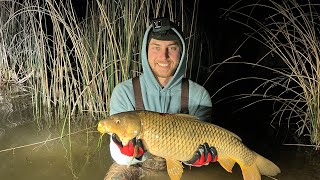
{"x": 176, "y": 137}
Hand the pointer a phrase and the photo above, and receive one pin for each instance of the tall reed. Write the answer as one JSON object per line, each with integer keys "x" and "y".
{"x": 71, "y": 65}
{"x": 290, "y": 30}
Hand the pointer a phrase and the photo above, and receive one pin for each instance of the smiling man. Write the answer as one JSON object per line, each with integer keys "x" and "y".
{"x": 164, "y": 56}
{"x": 161, "y": 88}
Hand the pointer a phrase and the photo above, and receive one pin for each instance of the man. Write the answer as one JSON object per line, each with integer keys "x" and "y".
{"x": 160, "y": 89}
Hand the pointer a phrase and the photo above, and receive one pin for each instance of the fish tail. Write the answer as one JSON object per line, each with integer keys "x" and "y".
{"x": 261, "y": 166}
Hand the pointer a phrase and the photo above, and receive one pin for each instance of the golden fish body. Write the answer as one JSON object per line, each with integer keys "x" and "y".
{"x": 176, "y": 137}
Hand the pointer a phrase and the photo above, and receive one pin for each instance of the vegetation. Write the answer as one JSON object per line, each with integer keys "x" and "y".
{"x": 70, "y": 63}
{"x": 290, "y": 31}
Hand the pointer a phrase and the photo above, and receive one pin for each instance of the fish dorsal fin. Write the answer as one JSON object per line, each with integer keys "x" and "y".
{"x": 174, "y": 169}
{"x": 226, "y": 163}
{"x": 189, "y": 116}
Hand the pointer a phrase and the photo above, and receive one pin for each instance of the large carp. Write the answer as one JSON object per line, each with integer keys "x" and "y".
{"x": 176, "y": 137}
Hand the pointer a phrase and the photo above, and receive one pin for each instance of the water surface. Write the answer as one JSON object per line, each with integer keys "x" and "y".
{"x": 53, "y": 159}
{"x": 28, "y": 152}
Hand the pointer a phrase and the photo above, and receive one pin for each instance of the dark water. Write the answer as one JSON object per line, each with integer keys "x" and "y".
{"x": 53, "y": 159}
{"x": 30, "y": 153}
{"x": 56, "y": 159}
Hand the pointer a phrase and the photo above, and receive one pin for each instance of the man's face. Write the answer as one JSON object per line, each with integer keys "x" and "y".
{"x": 163, "y": 57}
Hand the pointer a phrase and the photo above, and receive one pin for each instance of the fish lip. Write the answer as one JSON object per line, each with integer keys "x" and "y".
{"x": 101, "y": 128}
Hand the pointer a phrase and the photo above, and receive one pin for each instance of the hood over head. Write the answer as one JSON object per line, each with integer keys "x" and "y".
{"x": 171, "y": 34}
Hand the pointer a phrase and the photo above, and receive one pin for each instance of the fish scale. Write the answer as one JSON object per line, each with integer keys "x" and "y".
{"x": 181, "y": 137}
{"x": 176, "y": 138}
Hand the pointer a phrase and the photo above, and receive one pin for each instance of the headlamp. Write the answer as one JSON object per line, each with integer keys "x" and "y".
{"x": 160, "y": 25}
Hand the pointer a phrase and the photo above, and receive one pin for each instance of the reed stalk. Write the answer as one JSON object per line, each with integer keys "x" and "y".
{"x": 290, "y": 31}
{"x": 70, "y": 64}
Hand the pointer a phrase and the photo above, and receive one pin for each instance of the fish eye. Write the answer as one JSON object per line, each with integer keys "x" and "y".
{"x": 117, "y": 121}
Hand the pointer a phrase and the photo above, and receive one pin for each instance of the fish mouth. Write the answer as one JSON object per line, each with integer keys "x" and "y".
{"x": 101, "y": 128}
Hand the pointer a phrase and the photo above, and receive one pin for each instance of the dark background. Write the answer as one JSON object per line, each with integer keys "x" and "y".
{"x": 252, "y": 124}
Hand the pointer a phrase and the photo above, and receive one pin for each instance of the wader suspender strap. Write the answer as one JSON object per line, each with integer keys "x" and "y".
{"x": 184, "y": 95}
{"x": 137, "y": 93}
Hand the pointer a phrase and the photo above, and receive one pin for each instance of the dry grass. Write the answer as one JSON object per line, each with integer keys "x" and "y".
{"x": 71, "y": 65}
{"x": 290, "y": 31}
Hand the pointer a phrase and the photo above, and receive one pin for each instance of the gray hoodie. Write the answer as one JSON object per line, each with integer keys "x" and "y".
{"x": 156, "y": 98}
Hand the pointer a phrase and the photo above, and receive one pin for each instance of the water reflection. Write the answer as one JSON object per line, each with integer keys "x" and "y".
{"x": 15, "y": 108}
{"x": 52, "y": 158}
{"x": 301, "y": 163}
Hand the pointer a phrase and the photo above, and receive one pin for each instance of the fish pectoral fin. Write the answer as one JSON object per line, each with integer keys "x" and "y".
{"x": 226, "y": 163}
{"x": 135, "y": 152}
{"x": 174, "y": 169}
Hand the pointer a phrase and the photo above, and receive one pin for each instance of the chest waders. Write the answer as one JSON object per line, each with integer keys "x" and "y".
{"x": 184, "y": 95}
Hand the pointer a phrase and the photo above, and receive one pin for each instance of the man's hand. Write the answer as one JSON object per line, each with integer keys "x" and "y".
{"x": 129, "y": 149}
{"x": 203, "y": 156}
